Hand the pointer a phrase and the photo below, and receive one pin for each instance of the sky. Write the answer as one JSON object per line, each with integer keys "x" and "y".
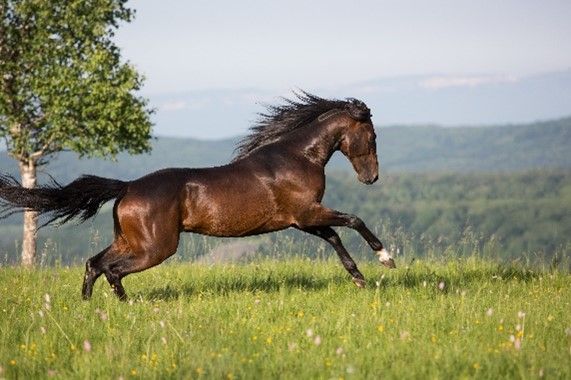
{"x": 271, "y": 47}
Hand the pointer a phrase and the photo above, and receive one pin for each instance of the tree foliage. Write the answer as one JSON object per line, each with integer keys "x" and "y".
{"x": 62, "y": 83}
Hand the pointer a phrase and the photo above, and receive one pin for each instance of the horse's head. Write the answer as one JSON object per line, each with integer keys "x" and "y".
{"x": 358, "y": 142}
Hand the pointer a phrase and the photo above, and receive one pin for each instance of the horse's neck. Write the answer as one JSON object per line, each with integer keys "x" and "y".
{"x": 318, "y": 143}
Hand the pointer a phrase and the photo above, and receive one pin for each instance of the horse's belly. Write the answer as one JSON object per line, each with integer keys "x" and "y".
{"x": 234, "y": 223}
{"x": 232, "y": 215}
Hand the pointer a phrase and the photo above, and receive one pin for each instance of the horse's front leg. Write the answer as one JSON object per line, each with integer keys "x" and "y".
{"x": 319, "y": 216}
{"x": 330, "y": 236}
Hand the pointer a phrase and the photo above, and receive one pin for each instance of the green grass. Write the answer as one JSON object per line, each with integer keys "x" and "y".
{"x": 290, "y": 319}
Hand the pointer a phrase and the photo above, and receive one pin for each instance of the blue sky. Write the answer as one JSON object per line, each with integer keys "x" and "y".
{"x": 268, "y": 47}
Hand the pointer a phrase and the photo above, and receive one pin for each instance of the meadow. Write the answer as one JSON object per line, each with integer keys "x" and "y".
{"x": 295, "y": 318}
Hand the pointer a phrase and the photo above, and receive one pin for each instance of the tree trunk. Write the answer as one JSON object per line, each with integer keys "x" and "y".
{"x": 28, "y": 173}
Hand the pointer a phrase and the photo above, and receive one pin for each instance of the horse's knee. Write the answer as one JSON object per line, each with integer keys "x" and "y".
{"x": 90, "y": 269}
{"x": 355, "y": 222}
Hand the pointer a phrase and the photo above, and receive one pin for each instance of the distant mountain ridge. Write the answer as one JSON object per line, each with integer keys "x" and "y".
{"x": 438, "y": 98}
{"x": 401, "y": 149}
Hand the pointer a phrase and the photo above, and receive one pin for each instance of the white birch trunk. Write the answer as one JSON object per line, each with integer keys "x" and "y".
{"x": 28, "y": 173}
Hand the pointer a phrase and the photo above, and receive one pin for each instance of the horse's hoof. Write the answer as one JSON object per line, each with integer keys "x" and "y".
{"x": 359, "y": 282}
{"x": 386, "y": 259}
{"x": 390, "y": 263}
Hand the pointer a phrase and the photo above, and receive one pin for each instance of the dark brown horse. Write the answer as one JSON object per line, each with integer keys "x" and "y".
{"x": 276, "y": 181}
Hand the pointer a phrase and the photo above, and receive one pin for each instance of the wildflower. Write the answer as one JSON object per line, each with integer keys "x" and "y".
{"x": 404, "y": 335}
{"x": 102, "y": 315}
{"x": 517, "y": 344}
{"x": 164, "y": 340}
{"x": 162, "y": 324}
{"x": 489, "y": 312}
{"x": 381, "y": 328}
{"x": 350, "y": 369}
{"x": 257, "y": 301}
{"x": 42, "y": 329}
{"x": 520, "y": 314}
{"x": 424, "y": 284}
{"x": 86, "y": 346}
{"x": 134, "y": 371}
{"x": 550, "y": 317}
{"x": 317, "y": 340}
{"x": 476, "y": 366}
{"x": 309, "y": 333}
{"x": 156, "y": 309}
{"x": 41, "y": 313}
{"x": 292, "y": 347}
{"x": 12, "y": 362}
{"x": 541, "y": 372}
{"x": 47, "y": 298}
{"x": 52, "y": 372}
{"x": 339, "y": 351}
{"x": 441, "y": 285}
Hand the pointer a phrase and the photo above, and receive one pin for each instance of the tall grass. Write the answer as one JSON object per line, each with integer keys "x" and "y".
{"x": 296, "y": 318}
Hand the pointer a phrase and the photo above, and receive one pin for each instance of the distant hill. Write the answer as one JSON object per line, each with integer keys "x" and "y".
{"x": 401, "y": 149}
{"x": 483, "y": 177}
{"x": 439, "y": 98}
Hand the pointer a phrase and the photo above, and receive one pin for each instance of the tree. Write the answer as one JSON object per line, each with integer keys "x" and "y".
{"x": 63, "y": 86}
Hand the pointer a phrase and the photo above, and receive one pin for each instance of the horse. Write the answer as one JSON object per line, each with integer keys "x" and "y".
{"x": 275, "y": 181}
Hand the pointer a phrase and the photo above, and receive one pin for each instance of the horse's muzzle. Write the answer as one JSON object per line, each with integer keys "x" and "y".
{"x": 369, "y": 181}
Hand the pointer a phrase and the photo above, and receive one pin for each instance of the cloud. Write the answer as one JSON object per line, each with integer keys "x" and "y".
{"x": 438, "y": 82}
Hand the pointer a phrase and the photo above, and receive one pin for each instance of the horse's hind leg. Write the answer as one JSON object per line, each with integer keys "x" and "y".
{"x": 92, "y": 272}
{"x": 121, "y": 259}
{"x": 330, "y": 236}
{"x": 109, "y": 262}
{"x": 120, "y": 266}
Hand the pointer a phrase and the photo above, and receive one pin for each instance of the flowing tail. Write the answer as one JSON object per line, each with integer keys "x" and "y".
{"x": 81, "y": 198}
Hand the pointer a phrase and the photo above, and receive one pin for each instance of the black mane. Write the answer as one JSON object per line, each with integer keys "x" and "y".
{"x": 278, "y": 120}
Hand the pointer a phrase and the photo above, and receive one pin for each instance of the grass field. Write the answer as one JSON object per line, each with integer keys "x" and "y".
{"x": 290, "y": 319}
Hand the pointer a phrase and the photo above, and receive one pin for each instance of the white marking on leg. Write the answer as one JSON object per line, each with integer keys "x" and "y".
{"x": 384, "y": 255}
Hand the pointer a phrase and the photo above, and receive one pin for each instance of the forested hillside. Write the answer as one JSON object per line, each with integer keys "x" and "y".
{"x": 401, "y": 149}
{"x": 439, "y": 188}
{"x": 527, "y": 214}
